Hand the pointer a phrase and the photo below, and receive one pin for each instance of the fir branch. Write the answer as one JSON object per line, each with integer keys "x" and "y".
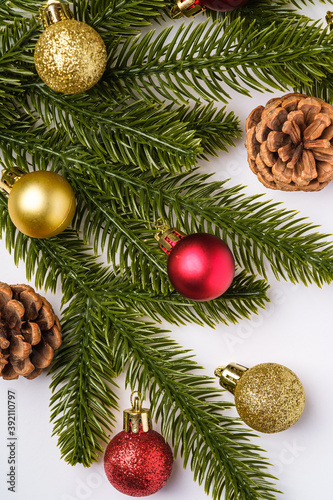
{"x": 84, "y": 374}
{"x": 81, "y": 402}
{"x": 210, "y": 58}
{"x": 138, "y": 133}
{"x": 190, "y": 410}
{"x": 201, "y": 61}
{"x": 256, "y": 230}
{"x": 188, "y": 128}
{"x": 82, "y": 377}
{"x": 216, "y": 129}
{"x": 243, "y": 298}
{"x": 65, "y": 258}
{"x": 94, "y": 327}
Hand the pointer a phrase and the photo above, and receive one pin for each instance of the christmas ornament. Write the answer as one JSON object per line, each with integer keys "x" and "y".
{"x": 290, "y": 143}
{"x": 268, "y": 397}
{"x": 137, "y": 461}
{"x": 329, "y": 19}
{"x": 30, "y": 332}
{"x": 190, "y": 8}
{"x": 70, "y": 56}
{"x": 41, "y": 204}
{"x": 200, "y": 266}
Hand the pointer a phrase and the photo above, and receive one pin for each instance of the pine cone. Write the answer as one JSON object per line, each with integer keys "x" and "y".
{"x": 29, "y": 332}
{"x": 290, "y": 143}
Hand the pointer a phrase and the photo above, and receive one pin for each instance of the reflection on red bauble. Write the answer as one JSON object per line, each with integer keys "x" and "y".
{"x": 223, "y": 5}
{"x": 201, "y": 267}
{"x": 138, "y": 464}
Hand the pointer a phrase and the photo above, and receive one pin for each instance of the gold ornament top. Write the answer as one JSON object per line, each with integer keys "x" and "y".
{"x": 167, "y": 237}
{"x": 9, "y": 178}
{"x": 186, "y": 8}
{"x": 229, "y": 375}
{"x": 269, "y": 397}
{"x": 137, "y": 418}
{"x": 54, "y": 12}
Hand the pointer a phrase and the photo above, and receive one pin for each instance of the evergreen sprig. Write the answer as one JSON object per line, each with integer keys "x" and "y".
{"x": 132, "y": 139}
{"x": 108, "y": 142}
{"x": 214, "y": 58}
{"x": 189, "y": 407}
{"x": 101, "y": 336}
{"x": 135, "y": 133}
{"x": 122, "y": 204}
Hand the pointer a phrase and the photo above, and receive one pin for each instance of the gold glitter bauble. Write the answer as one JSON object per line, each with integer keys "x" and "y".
{"x": 70, "y": 57}
{"x": 269, "y": 397}
{"x": 41, "y": 204}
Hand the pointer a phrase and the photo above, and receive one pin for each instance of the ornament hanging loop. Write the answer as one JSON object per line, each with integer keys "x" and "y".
{"x": 161, "y": 225}
{"x": 137, "y": 419}
{"x": 136, "y": 405}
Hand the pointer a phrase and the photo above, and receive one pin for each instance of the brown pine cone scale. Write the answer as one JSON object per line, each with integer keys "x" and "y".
{"x": 30, "y": 332}
{"x": 290, "y": 143}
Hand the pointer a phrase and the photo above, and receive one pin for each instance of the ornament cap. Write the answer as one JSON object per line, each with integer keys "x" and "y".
{"x": 167, "y": 237}
{"x": 187, "y": 8}
{"x": 137, "y": 418}
{"x": 329, "y": 19}
{"x": 54, "y": 12}
{"x": 229, "y": 375}
{"x": 10, "y": 177}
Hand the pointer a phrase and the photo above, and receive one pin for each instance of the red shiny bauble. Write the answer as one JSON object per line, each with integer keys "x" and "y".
{"x": 223, "y": 5}
{"x": 138, "y": 464}
{"x": 201, "y": 267}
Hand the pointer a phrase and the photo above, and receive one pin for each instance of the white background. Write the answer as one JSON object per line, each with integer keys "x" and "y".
{"x": 294, "y": 330}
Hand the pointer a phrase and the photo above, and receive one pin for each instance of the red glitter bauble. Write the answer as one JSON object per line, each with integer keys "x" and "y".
{"x": 138, "y": 464}
{"x": 201, "y": 267}
{"x": 223, "y": 5}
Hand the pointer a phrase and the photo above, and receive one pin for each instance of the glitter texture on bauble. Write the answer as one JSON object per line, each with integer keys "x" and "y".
{"x": 70, "y": 56}
{"x": 138, "y": 462}
{"x": 269, "y": 397}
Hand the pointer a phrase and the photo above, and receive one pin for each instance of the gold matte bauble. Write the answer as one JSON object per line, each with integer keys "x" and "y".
{"x": 269, "y": 397}
{"x": 70, "y": 57}
{"x": 41, "y": 204}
